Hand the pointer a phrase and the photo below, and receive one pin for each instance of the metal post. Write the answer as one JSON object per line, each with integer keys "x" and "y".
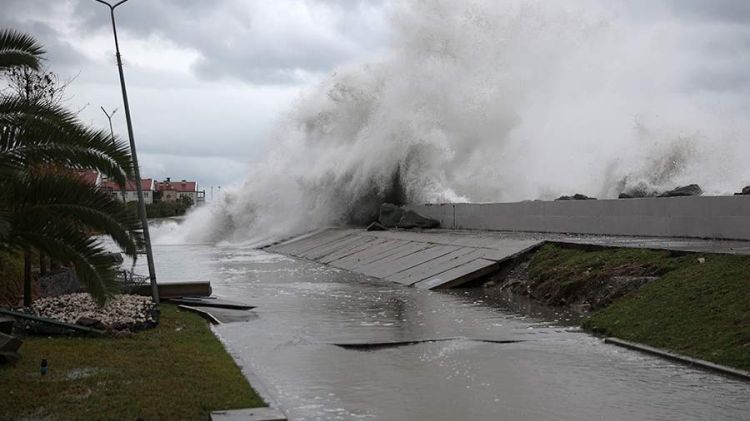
{"x": 136, "y": 170}
{"x": 112, "y": 134}
{"x": 109, "y": 117}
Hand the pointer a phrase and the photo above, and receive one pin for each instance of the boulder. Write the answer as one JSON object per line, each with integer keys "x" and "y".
{"x": 6, "y": 324}
{"x": 390, "y": 215}
{"x": 576, "y": 196}
{"x": 411, "y": 219}
{"x": 637, "y": 191}
{"x": 9, "y": 348}
{"x": 689, "y": 190}
{"x": 746, "y": 190}
{"x": 90, "y": 322}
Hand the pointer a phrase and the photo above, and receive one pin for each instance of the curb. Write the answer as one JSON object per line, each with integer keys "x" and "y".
{"x": 693, "y": 362}
{"x": 272, "y": 412}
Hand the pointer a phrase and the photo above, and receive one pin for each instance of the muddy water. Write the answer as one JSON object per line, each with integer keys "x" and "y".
{"x": 551, "y": 372}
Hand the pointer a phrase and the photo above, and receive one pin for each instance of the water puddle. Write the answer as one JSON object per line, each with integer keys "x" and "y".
{"x": 329, "y": 344}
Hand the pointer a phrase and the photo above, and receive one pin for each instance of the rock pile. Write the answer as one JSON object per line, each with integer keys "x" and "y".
{"x": 394, "y": 216}
{"x": 122, "y": 312}
{"x": 642, "y": 191}
{"x": 577, "y": 196}
{"x": 689, "y": 190}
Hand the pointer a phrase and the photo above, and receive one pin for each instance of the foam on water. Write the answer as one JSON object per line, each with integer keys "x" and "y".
{"x": 495, "y": 101}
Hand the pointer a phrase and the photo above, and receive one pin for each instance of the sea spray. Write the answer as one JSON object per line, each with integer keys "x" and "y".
{"x": 494, "y": 101}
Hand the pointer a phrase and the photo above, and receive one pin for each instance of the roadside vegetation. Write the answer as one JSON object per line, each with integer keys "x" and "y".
{"x": 178, "y": 370}
{"x": 45, "y": 206}
{"x": 164, "y": 209}
{"x": 698, "y": 306}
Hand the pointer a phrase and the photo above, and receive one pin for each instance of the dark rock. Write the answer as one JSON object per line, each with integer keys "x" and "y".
{"x": 411, "y": 219}
{"x": 690, "y": 190}
{"x": 376, "y": 226}
{"x": 9, "y": 348}
{"x": 640, "y": 190}
{"x": 6, "y": 325}
{"x": 576, "y": 196}
{"x": 89, "y": 322}
{"x": 390, "y": 215}
{"x": 746, "y": 190}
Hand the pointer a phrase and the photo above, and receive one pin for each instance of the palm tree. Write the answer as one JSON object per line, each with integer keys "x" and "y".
{"x": 44, "y": 205}
{"x": 18, "y": 49}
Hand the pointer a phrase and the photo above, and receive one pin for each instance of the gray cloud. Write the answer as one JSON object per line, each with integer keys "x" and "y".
{"x": 30, "y": 17}
{"x": 734, "y": 11}
{"x": 213, "y": 110}
{"x": 259, "y": 44}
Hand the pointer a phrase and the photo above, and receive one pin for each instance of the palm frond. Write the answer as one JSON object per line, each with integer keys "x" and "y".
{"x": 59, "y": 197}
{"x": 39, "y": 134}
{"x": 90, "y": 260}
{"x": 19, "y": 49}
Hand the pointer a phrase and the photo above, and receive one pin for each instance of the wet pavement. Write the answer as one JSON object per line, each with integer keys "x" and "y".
{"x": 492, "y": 358}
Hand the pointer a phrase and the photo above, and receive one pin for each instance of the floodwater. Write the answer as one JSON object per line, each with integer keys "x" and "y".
{"x": 542, "y": 368}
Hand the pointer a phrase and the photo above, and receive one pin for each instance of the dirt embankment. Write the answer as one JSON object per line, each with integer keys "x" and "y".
{"x": 691, "y": 303}
{"x": 583, "y": 279}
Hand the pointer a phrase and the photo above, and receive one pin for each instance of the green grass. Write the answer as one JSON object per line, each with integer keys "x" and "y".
{"x": 700, "y": 310}
{"x": 566, "y": 274}
{"x": 178, "y": 370}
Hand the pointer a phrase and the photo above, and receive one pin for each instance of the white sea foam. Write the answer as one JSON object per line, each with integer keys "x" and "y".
{"x": 496, "y": 101}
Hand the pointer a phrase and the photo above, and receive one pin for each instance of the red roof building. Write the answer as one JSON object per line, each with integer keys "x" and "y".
{"x": 171, "y": 191}
{"x": 147, "y": 184}
{"x": 129, "y": 193}
{"x": 178, "y": 186}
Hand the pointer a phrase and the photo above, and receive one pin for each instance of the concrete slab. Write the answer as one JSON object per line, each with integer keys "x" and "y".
{"x": 317, "y": 240}
{"x": 252, "y": 414}
{"x": 342, "y": 243}
{"x": 439, "y": 265}
{"x": 371, "y": 254}
{"x": 459, "y": 275}
{"x": 322, "y": 240}
{"x": 401, "y": 252}
{"x": 386, "y": 269}
{"x": 363, "y": 243}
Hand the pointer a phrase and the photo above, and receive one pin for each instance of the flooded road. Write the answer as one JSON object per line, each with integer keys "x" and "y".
{"x": 487, "y": 361}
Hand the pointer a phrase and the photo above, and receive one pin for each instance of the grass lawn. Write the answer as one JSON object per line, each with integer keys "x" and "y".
{"x": 178, "y": 370}
{"x": 697, "y": 309}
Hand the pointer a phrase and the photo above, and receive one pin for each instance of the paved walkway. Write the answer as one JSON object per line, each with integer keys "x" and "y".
{"x": 447, "y": 258}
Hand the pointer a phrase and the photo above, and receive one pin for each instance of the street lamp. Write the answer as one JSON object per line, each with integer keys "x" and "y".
{"x": 136, "y": 170}
{"x": 109, "y": 117}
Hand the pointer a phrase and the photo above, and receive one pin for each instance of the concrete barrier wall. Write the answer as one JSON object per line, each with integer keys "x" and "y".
{"x": 720, "y": 217}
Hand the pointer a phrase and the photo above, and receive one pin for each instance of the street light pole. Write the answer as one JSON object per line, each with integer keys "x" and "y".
{"x": 136, "y": 170}
{"x": 109, "y": 117}
{"x": 112, "y": 134}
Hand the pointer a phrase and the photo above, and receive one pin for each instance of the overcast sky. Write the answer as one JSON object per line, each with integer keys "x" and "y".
{"x": 208, "y": 79}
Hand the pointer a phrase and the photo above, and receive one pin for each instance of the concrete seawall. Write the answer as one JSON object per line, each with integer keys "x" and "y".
{"x": 716, "y": 217}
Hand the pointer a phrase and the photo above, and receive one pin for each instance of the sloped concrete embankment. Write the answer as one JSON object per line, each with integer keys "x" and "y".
{"x": 422, "y": 260}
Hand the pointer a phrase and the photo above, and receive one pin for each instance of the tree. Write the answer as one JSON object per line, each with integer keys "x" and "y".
{"x": 44, "y": 204}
